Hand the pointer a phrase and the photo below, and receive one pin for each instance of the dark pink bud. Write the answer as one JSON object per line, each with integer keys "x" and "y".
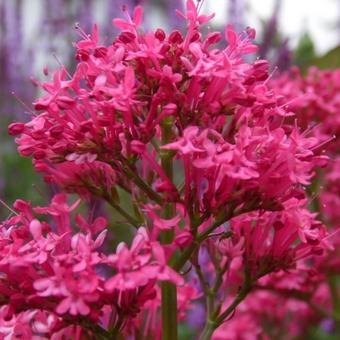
{"x": 65, "y": 102}
{"x": 165, "y": 48}
{"x": 39, "y": 106}
{"x": 126, "y": 37}
{"x": 40, "y": 154}
{"x": 245, "y": 101}
{"x": 59, "y": 148}
{"x": 104, "y": 121}
{"x": 40, "y": 166}
{"x": 34, "y": 81}
{"x": 71, "y": 146}
{"x": 56, "y": 131}
{"x": 298, "y": 193}
{"x": 317, "y": 250}
{"x": 16, "y": 129}
{"x": 278, "y": 225}
{"x": 179, "y": 52}
{"x": 250, "y": 80}
{"x": 251, "y": 32}
{"x": 213, "y": 38}
{"x": 160, "y": 34}
{"x": 21, "y": 205}
{"x": 195, "y": 37}
{"x": 100, "y": 52}
{"x": 86, "y": 126}
{"x": 38, "y": 134}
{"x": 51, "y": 141}
{"x": 26, "y": 151}
{"x": 184, "y": 239}
{"x": 175, "y": 37}
{"x": 137, "y": 146}
{"x": 48, "y": 179}
{"x": 82, "y": 55}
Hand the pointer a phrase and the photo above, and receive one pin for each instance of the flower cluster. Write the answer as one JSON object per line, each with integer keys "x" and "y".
{"x": 212, "y": 165}
{"x": 68, "y": 274}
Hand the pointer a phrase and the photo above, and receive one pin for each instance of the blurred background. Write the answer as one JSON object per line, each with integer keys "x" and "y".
{"x": 39, "y": 33}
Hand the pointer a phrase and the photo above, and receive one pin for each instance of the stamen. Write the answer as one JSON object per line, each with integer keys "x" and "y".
{"x": 293, "y": 100}
{"x": 8, "y": 207}
{"x": 270, "y": 75}
{"x": 126, "y": 12}
{"x": 311, "y": 127}
{"x": 323, "y": 143}
{"x": 313, "y": 197}
{"x": 331, "y": 234}
{"x": 199, "y": 5}
{"x": 22, "y": 103}
{"x": 61, "y": 65}
{"x": 80, "y": 31}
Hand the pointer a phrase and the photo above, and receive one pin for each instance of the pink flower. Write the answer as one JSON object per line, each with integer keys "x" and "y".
{"x": 191, "y": 141}
{"x": 144, "y": 262}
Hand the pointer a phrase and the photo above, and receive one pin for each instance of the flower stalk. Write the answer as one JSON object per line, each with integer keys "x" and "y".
{"x": 168, "y": 290}
{"x": 215, "y": 319}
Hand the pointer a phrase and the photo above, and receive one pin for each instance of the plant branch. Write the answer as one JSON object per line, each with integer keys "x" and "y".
{"x": 133, "y": 175}
{"x": 185, "y": 256}
{"x": 125, "y": 214}
{"x": 215, "y": 319}
{"x": 168, "y": 289}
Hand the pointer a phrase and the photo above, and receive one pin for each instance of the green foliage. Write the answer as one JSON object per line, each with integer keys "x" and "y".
{"x": 330, "y": 60}
{"x": 305, "y": 55}
{"x": 20, "y": 181}
{"x": 305, "y": 52}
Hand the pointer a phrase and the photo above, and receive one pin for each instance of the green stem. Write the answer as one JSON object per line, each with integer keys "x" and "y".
{"x": 142, "y": 185}
{"x": 215, "y": 319}
{"x": 185, "y": 256}
{"x": 333, "y": 286}
{"x": 212, "y": 324}
{"x": 115, "y": 332}
{"x": 168, "y": 290}
{"x": 208, "y": 330}
{"x": 220, "y": 220}
{"x": 118, "y": 208}
{"x": 98, "y": 332}
{"x": 239, "y": 298}
{"x": 125, "y": 214}
{"x": 169, "y": 311}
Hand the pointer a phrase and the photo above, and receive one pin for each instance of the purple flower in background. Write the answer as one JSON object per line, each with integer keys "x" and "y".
{"x": 236, "y": 14}
{"x": 284, "y": 56}
{"x": 281, "y": 54}
{"x": 115, "y": 9}
{"x": 174, "y": 20}
{"x": 328, "y": 325}
{"x": 270, "y": 31}
{"x": 85, "y": 15}
{"x": 14, "y": 59}
{"x": 196, "y": 316}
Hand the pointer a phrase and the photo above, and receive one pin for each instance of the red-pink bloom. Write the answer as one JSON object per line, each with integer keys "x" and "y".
{"x": 143, "y": 262}
{"x": 182, "y": 139}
